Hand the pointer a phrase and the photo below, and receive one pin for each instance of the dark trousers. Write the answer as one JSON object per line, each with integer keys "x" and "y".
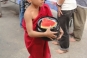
{"x": 64, "y": 23}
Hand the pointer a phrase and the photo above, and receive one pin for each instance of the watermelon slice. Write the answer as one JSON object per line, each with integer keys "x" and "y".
{"x": 46, "y": 22}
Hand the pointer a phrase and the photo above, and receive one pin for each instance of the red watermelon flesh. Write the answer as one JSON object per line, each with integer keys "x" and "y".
{"x": 46, "y": 22}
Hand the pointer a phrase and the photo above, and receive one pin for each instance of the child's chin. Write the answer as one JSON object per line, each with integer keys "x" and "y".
{"x": 41, "y": 5}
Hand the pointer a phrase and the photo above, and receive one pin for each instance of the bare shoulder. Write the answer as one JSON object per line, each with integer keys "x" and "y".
{"x": 27, "y": 14}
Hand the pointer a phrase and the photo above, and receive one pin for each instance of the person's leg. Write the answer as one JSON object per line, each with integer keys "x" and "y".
{"x": 64, "y": 41}
{"x": 79, "y": 21}
{"x": 0, "y": 10}
{"x": 64, "y": 23}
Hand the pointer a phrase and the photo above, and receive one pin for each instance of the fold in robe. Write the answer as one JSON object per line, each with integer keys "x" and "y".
{"x": 37, "y": 47}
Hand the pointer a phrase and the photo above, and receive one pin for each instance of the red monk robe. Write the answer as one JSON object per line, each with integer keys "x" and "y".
{"x": 37, "y": 47}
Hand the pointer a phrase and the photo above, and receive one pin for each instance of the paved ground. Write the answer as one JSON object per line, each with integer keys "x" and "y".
{"x": 12, "y": 42}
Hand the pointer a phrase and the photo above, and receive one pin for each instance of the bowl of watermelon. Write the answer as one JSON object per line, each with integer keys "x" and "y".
{"x": 46, "y": 22}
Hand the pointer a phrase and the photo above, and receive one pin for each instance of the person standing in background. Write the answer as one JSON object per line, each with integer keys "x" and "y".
{"x": 65, "y": 11}
{"x": 79, "y": 20}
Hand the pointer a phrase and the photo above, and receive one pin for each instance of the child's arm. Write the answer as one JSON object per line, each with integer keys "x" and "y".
{"x": 31, "y": 32}
{"x": 61, "y": 33}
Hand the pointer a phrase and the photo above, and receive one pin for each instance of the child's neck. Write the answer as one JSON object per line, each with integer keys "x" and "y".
{"x": 34, "y": 6}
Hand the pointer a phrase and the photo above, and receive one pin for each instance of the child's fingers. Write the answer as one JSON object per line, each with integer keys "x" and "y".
{"x": 59, "y": 37}
{"x": 61, "y": 31}
{"x": 54, "y": 36}
{"x": 61, "y": 34}
{"x": 55, "y": 32}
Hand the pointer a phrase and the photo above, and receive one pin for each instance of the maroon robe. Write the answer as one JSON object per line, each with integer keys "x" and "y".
{"x": 37, "y": 47}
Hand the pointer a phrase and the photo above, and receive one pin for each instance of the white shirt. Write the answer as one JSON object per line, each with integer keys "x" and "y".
{"x": 52, "y": 0}
{"x": 69, "y": 5}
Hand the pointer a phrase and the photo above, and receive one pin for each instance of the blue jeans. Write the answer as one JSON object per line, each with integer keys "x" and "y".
{"x": 22, "y": 10}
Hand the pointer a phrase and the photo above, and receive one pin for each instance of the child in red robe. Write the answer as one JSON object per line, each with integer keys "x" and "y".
{"x": 37, "y": 47}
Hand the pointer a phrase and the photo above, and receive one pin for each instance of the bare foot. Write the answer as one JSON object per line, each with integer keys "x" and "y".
{"x": 61, "y": 51}
{"x": 72, "y": 39}
{"x": 55, "y": 43}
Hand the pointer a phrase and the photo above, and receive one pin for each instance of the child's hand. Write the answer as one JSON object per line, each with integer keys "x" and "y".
{"x": 59, "y": 37}
{"x": 61, "y": 34}
{"x": 50, "y": 34}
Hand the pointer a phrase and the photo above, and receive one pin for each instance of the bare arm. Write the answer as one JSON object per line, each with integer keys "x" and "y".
{"x": 60, "y": 2}
{"x": 31, "y": 32}
{"x": 29, "y": 27}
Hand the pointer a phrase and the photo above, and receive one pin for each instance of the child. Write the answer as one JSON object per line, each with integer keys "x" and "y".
{"x": 37, "y": 47}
